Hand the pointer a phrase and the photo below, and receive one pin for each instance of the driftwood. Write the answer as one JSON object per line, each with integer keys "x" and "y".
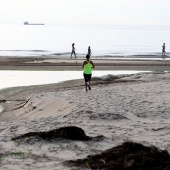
{"x": 22, "y": 104}
{"x": 128, "y": 156}
{"x": 70, "y": 132}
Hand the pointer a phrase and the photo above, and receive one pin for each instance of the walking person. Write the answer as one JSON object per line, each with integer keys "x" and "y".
{"x": 87, "y": 66}
{"x": 73, "y": 51}
{"x": 89, "y": 51}
{"x": 163, "y": 51}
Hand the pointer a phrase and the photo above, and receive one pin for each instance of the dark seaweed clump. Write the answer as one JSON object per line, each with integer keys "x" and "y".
{"x": 70, "y": 132}
{"x": 128, "y": 156}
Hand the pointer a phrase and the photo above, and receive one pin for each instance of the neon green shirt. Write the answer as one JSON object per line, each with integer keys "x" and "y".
{"x": 87, "y": 68}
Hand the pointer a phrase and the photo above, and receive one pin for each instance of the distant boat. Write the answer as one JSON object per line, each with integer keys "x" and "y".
{"x": 27, "y": 23}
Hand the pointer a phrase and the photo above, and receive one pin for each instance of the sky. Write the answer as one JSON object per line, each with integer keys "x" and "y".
{"x": 86, "y": 12}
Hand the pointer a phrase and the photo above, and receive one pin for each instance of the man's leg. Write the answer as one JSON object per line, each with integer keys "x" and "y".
{"x": 86, "y": 80}
{"x": 86, "y": 85}
{"x": 75, "y": 54}
{"x": 71, "y": 54}
{"x": 89, "y": 78}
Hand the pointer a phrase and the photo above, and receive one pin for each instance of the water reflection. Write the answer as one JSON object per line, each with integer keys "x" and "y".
{"x": 27, "y": 78}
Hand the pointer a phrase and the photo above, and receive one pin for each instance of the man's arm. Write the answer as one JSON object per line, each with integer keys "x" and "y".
{"x": 92, "y": 64}
{"x": 83, "y": 64}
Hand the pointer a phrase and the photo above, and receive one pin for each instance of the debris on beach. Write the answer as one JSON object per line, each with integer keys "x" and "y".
{"x": 70, "y": 132}
{"x": 129, "y": 155}
{"x": 3, "y": 101}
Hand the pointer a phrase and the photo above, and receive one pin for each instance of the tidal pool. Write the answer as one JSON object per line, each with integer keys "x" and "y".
{"x": 10, "y": 78}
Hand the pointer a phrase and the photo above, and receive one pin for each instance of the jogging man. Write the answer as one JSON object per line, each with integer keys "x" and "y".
{"x": 87, "y": 65}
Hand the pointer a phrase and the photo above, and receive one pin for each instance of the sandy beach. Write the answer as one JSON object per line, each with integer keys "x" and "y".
{"x": 65, "y": 63}
{"x": 121, "y": 108}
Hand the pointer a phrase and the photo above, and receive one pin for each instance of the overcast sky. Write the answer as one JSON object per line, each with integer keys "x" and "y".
{"x": 101, "y": 12}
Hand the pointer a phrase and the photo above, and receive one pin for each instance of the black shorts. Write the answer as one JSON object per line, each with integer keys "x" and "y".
{"x": 87, "y": 77}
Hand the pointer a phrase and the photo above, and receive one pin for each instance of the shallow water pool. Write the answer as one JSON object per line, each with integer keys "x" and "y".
{"x": 10, "y": 78}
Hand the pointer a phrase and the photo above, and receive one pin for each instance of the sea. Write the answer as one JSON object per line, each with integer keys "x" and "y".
{"x": 111, "y": 41}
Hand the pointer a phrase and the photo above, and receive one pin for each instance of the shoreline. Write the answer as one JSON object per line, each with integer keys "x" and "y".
{"x": 60, "y": 64}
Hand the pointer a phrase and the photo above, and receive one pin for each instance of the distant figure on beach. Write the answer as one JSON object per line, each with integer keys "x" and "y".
{"x": 163, "y": 50}
{"x": 87, "y": 66}
{"x": 89, "y": 51}
{"x": 73, "y": 51}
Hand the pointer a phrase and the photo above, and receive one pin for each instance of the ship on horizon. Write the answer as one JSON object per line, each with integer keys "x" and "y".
{"x": 27, "y": 23}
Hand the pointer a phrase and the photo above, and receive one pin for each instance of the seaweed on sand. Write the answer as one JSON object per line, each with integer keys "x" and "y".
{"x": 128, "y": 156}
{"x": 70, "y": 132}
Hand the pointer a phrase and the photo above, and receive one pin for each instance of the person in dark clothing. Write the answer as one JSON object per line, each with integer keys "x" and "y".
{"x": 73, "y": 51}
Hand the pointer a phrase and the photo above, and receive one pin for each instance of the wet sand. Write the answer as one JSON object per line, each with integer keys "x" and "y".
{"x": 65, "y": 63}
